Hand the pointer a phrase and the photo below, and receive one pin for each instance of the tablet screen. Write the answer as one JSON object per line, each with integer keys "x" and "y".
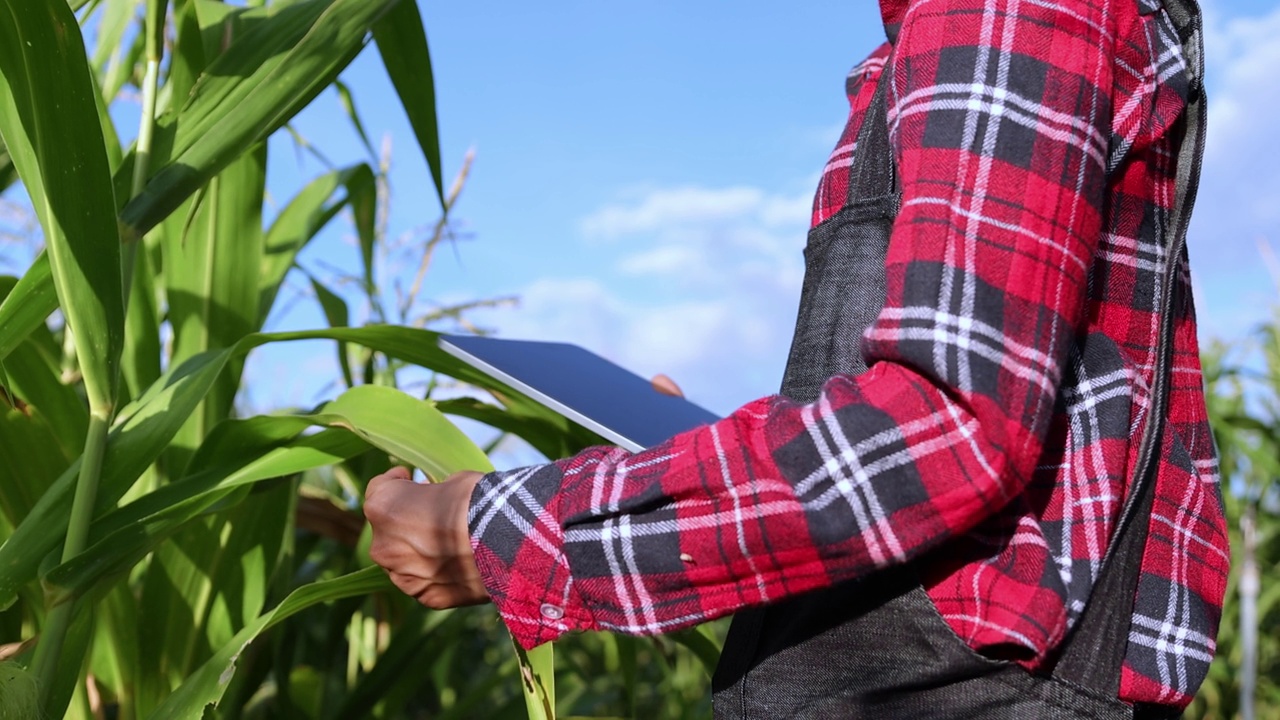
{"x": 584, "y": 387}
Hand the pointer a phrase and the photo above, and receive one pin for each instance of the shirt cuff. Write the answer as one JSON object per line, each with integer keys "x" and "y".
{"x": 519, "y": 548}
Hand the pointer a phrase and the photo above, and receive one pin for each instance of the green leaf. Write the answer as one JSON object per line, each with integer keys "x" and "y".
{"x": 548, "y": 435}
{"x": 408, "y": 647}
{"x": 114, "y": 661}
{"x": 412, "y": 345}
{"x": 45, "y": 94}
{"x": 414, "y": 431}
{"x": 30, "y": 459}
{"x": 349, "y": 105}
{"x": 110, "y": 139}
{"x": 305, "y": 215}
{"x": 337, "y": 315}
{"x": 7, "y": 172}
{"x": 206, "y": 686}
{"x": 115, "y": 19}
{"x": 362, "y": 196}
{"x": 74, "y": 648}
{"x": 402, "y": 42}
{"x": 212, "y": 284}
{"x": 140, "y": 363}
{"x": 209, "y": 580}
{"x": 120, "y": 68}
{"x": 123, "y": 537}
{"x": 142, "y": 431}
{"x": 269, "y": 73}
{"x": 407, "y": 428}
{"x": 27, "y": 305}
{"x": 702, "y": 646}
{"x": 221, "y": 23}
{"x": 32, "y": 373}
{"x": 187, "y": 60}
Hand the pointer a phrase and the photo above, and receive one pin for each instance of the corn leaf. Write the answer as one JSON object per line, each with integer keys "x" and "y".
{"x": 337, "y": 315}
{"x": 209, "y": 580}
{"x": 349, "y": 106}
{"x": 7, "y": 173}
{"x": 45, "y": 94}
{"x": 27, "y": 305}
{"x": 305, "y": 215}
{"x": 120, "y": 68}
{"x": 206, "y": 686}
{"x": 221, "y": 23}
{"x": 110, "y": 139}
{"x": 267, "y": 74}
{"x": 140, "y": 363}
{"x": 415, "y": 432}
{"x": 147, "y": 425}
{"x": 186, "y": 61}
{"x": 32, "y": 374}
{"x": 115, "y": 647}
{"x": 547, "y": 436}
{"x": 362, "y": 196}
{"x": 30, "y": 459}
{"x": 123, "y": 537}
{"x": 418, "y": 347}
{"x": 35, "y": 387}
{"x": 74, "y": 648}
{"x": 409, "y": 429}
{"x": 411, "y": 345}
{"x": 402, "y": 42}
{"x": 142, "y": 431}
{"x": 112, "y": 23}
{"x": 212, "y": 284}
{"x": 701, "y": 645}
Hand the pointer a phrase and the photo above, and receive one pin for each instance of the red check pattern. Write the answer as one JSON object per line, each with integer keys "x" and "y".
{"x": 991, "y": 439}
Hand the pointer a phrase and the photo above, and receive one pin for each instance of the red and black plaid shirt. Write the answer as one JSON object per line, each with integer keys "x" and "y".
{"x": 1010, "y": 370}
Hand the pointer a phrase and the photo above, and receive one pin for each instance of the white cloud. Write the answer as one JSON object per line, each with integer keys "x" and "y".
{"x": 663, "y": 260}
{"x": 704, "y": 289}
{"x": 674, "y": 209}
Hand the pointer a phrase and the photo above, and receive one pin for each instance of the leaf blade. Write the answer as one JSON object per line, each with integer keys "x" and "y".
{"x": 402, "y": 43}
{"x": 27, "y": 305}
{"x": 206, "y": 686}
{"x": 45, "y": 91}
{"x": 269, "y": 73}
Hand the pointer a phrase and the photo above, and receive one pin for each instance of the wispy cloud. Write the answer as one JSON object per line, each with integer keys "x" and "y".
{"x": 704, "y": 288}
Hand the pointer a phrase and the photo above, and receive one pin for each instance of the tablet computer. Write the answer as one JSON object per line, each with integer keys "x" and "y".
{"x": 584, "y": 387}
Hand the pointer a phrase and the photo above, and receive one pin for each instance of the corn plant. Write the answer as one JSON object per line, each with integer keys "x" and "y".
{"x": 1244, "y": 407}
{"x": 151, "y": 535}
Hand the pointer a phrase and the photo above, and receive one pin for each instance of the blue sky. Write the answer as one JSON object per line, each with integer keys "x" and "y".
{"x": 644, "y": 172}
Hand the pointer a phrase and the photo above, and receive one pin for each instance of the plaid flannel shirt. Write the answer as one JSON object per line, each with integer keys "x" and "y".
{"x": 992, "y": 438}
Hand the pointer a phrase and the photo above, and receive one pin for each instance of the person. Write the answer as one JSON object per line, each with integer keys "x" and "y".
{"x": 922, "y": 523}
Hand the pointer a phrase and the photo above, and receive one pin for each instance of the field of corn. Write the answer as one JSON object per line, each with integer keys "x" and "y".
{"x": 167, "y": 554}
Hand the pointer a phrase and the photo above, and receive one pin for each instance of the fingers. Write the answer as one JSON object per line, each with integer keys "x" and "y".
{"x": 666, "y": 385}
{"x": 390, "y": 477}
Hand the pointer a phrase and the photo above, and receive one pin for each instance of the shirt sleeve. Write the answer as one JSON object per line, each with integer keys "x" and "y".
{"x": 999, "y": 121}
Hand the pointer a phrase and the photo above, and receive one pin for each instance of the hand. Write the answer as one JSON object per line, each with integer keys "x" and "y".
{"x": 666, "y": 385}
{"x": 420, "y": 537}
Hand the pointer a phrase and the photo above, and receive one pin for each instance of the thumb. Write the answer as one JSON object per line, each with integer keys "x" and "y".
{"x": 390, "y": 477}
{"x": 666, "y": 385}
